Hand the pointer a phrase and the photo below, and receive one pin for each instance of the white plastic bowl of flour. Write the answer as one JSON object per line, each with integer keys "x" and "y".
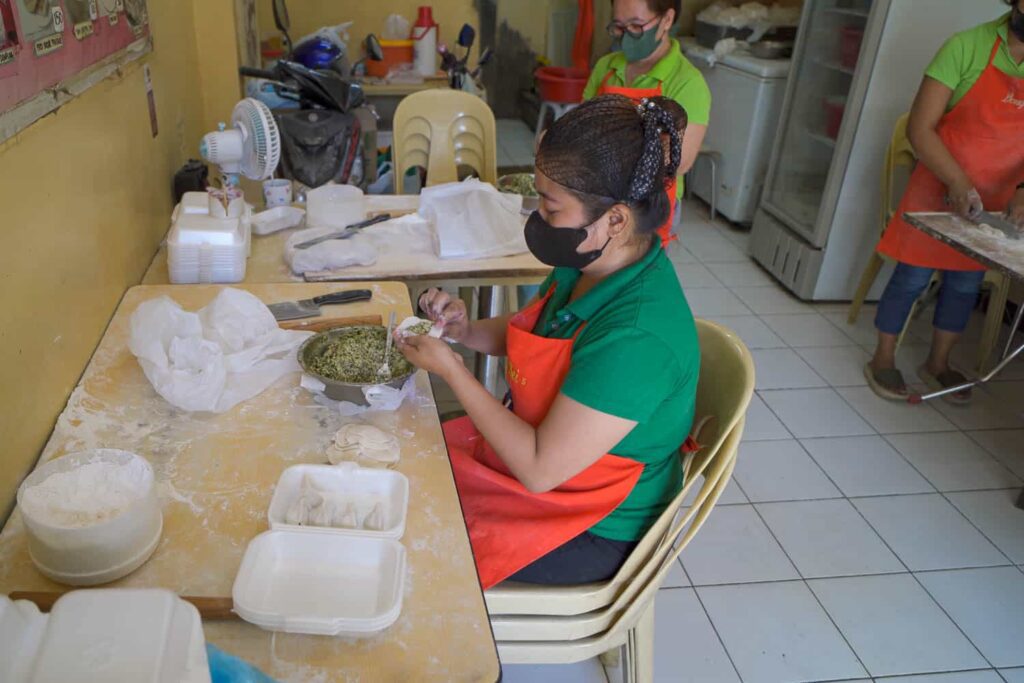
{"x": 91, "y": 517}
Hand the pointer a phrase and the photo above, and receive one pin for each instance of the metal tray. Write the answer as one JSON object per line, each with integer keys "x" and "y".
{"x": 708, "y": 35}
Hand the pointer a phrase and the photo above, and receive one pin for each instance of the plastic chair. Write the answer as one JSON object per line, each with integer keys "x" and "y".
{"x": 901, "y": 154}
{"x": 442, "y": 129}
{"x": 566, "y": 624}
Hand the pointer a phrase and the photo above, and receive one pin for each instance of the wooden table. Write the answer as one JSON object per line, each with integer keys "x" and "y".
{"x": 216, "y": 474}
{"x": 267, "y": 264}
{"x": 989, "y": 251}
{"x": 420, "y": 270}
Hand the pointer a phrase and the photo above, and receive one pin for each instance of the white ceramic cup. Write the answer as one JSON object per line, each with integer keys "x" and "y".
{"x": 277, "y": 192}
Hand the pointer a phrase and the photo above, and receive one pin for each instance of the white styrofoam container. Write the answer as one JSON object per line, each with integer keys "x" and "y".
{"x": 276, "y": 219}
{"x": 362, "y": 487}
{"x": 195, "y": 229}
{"x": 103, "y": 635}
{"x": 319, "y": 583}
{"x": 195, "y": 202}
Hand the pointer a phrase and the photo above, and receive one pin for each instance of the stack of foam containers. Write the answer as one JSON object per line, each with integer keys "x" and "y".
{"x": 103, "y": 635}
{"x": 324, "y": 580}
{"x": 208, "y": 243}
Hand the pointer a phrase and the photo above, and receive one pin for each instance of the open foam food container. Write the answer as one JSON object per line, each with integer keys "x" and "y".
{"x": 327, "y": 580}
{"x": 331, "y": 584}
{"x": 346, "y": 483}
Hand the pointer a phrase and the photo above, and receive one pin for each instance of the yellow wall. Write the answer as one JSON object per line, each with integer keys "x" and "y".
{"x": 369, "y": 17}
{"x": 84, "y": 202}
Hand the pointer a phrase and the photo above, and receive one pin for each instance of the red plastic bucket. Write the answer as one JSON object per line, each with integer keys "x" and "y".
{"x": 561, "y": 84}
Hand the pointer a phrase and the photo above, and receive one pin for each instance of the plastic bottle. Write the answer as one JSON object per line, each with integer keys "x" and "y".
{"x": 424, "y": 36}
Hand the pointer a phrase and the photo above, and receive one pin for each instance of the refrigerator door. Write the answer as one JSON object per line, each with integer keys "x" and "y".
{"x": 837, "y": 42}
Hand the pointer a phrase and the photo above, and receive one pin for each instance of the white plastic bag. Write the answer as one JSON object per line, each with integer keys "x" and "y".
{"x": 379, "y": 397}
{"x": 474, "y": 220}
{"x": 357, "y": 250}
{"x": 213, "y": 359}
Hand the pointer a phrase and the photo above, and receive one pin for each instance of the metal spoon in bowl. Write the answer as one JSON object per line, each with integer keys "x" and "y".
{"x": 384, "y": 370}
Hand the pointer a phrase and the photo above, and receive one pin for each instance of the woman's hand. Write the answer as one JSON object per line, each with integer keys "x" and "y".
{"x": 965, "y": 200}
{"x": 439, "y": 306}
{"x": 430, "y": 354}
{"x": 1015, "y": 211}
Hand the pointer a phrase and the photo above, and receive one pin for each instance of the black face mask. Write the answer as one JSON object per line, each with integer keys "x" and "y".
{"x": 1017, "y": 23}
{"x": 557, "y": 246}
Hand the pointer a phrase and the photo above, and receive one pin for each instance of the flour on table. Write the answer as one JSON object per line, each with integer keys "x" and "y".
{"x": 86, "y": 495}
{"x": 364, "y": 443}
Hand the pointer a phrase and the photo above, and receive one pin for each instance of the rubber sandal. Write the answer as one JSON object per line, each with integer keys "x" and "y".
{"x": 887, "y": 383}
{"x": 944, "y": 380}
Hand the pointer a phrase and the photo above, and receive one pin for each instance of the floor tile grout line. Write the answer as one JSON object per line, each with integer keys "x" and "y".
{"x": 934, "y": 485}
{"x": 975, "y": 526}
{"x": 803, "y": 579}
{"x": 950, "y": 616}
{"x": 721, "y": 640}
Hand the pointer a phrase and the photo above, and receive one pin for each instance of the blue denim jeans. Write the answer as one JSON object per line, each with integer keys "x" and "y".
{"x": 957, "y": 296}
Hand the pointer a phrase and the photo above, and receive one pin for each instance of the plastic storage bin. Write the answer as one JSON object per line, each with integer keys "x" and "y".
{"x": 100, "y": 552}
{"x": 396, "y": 52}
{"x": 99, "y": 636}
{"x": 334, "y": 206}
{"x": 332, "y": 584}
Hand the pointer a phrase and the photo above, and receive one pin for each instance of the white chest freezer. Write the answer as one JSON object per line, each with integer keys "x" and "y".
{"x": 747, "y": 94}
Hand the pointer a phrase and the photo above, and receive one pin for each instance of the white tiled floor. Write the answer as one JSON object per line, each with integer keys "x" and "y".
{"x": 859, "y": 540}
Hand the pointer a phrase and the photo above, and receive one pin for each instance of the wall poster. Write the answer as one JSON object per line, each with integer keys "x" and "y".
{"x": 52, "y": 50}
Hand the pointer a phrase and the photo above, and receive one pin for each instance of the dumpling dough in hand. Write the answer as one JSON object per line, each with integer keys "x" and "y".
{"x": 412, "y": 326}
{"x": 364, "y": 442}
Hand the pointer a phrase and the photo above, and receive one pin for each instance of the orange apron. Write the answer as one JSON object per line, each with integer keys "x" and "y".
{"x": 637, "y": 94}
{"x": 509, "y": 527}
{"x": 984, "y": 132}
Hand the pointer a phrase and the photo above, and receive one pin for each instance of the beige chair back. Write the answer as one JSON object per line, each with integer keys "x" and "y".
{"x": 443, "y": 130}
{"x": 723, "y": 393}
{"x": 900, "y": 155}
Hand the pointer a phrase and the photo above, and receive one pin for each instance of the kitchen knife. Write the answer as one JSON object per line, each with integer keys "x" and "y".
{"x": 999, "y": 223}
{"x": 345, "y": 233}
{"x": 310, "y": 308}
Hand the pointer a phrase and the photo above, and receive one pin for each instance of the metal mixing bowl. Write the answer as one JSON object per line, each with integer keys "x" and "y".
{"x": 342, "y": 391}
{"x": 530, "y": 204}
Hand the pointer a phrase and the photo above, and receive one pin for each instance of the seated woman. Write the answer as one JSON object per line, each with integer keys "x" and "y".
{"x": 560, "y": 485}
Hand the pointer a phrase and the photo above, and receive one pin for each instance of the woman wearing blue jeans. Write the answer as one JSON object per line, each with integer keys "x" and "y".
{"x": 967, "y": 128}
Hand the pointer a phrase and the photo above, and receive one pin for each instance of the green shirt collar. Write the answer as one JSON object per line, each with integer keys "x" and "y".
{"x": 606, "y": 290}
{"x": 662, "y": 71}
{"x": 1003, "y": 28}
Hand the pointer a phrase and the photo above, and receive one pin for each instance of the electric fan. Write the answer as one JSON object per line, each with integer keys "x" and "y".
{"x": 251, "y": 147}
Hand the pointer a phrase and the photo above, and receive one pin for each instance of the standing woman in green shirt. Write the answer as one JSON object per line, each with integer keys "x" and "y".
{"x": 647, "y": 62}
{"x": 967, "y": 129}
{"x": 559, "y": 485}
